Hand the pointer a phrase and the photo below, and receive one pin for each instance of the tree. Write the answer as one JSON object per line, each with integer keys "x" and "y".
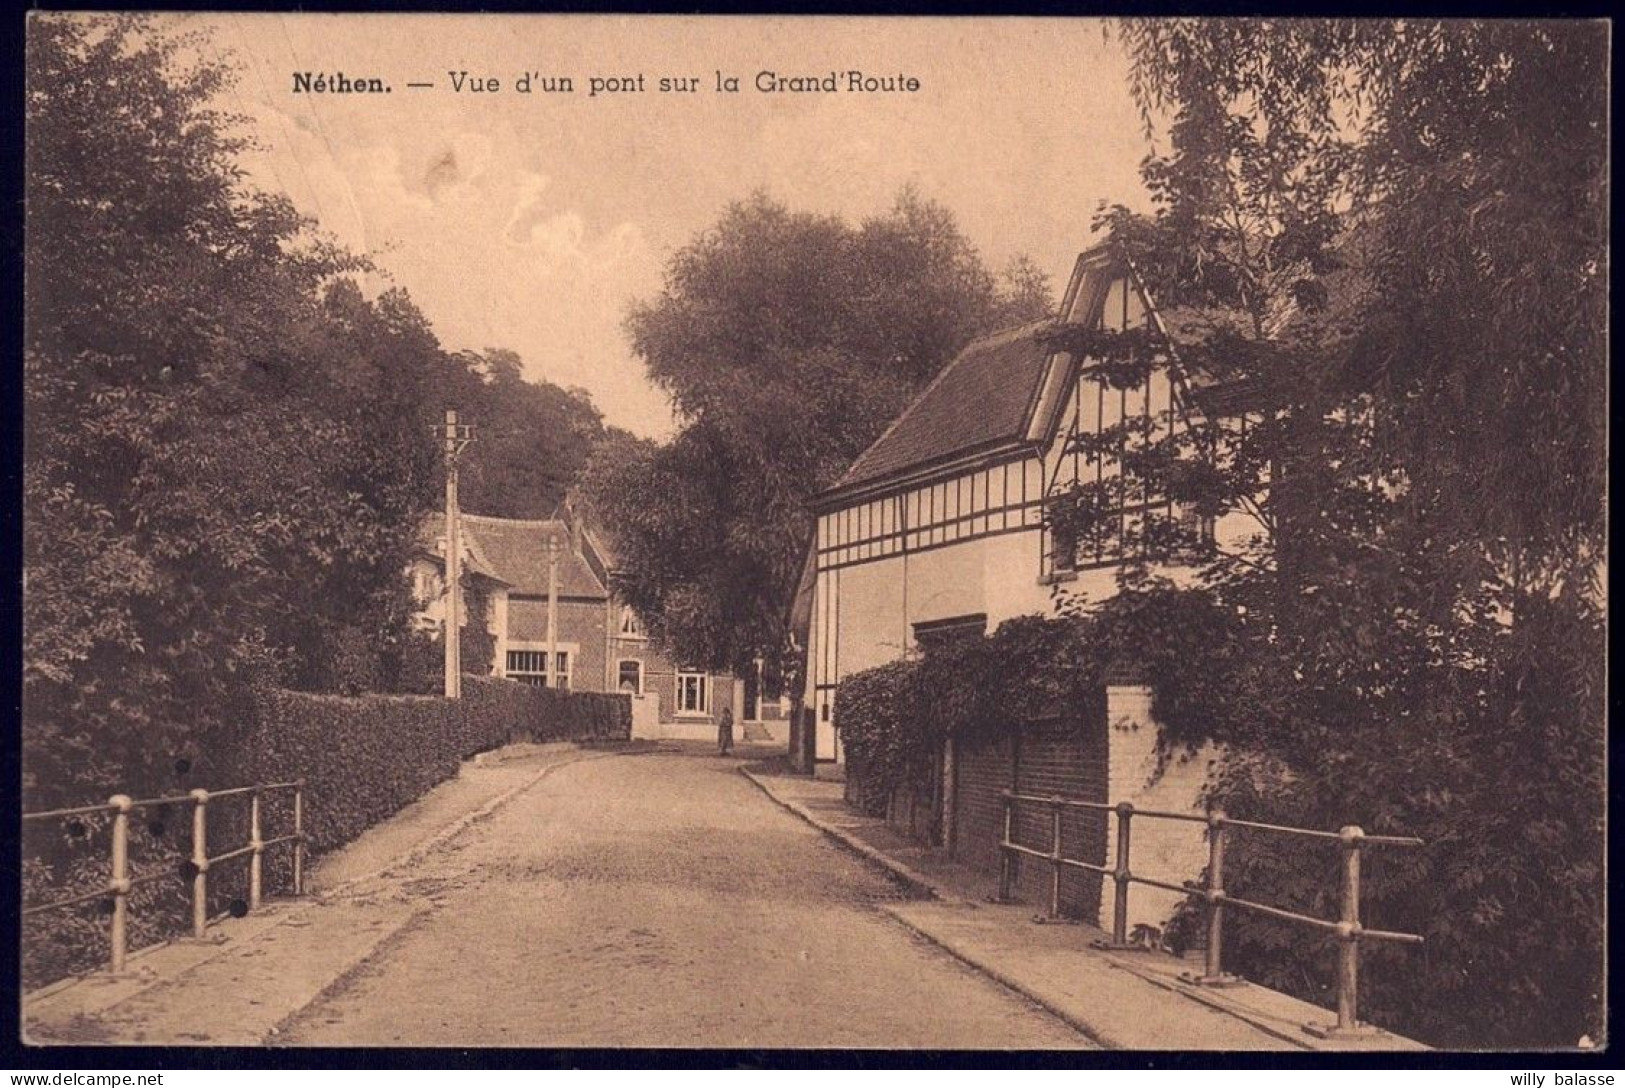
{"x": 133, "y": 366}
{"x": 227, "y": 444}
{"x": 1400, "y": 250}
{"x": 787, "y": 341}
{"x": 533, "y": 439}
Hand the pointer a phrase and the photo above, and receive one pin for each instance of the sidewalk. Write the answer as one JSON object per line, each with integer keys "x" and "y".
{"x": 1131, "y": 1001}
{"x": 249, "y": 975}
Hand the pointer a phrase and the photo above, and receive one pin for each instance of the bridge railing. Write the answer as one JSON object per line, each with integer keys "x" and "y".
{"x": 1348, "y": 930}
{"x": 120, "y": 883}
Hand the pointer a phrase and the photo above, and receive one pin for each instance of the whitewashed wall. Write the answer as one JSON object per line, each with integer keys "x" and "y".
{"x": 1171, "y": 850}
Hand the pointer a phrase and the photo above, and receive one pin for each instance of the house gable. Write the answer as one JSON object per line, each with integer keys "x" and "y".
{"x": 1104, "y": 294}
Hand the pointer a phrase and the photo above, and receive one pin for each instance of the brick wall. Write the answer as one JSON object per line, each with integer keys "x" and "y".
{"x": 660, "y": 679}
{"x": 982, "y": 773}
{"x": 1068, "y": 758}
{"x": 1107, "y": 760}
{"x": 580, "y": 623}
{"x": 1061, "y": 756}
{"x": 1168, "y": 850}
{"x": 586, "y": 622}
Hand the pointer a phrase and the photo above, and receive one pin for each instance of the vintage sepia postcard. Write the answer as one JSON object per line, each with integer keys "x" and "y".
{"x": 808, "y": 533}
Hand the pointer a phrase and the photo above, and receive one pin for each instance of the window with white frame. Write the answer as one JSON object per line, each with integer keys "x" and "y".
{"x": 530, "y": 667}
{"x": 631, "y": 626}
{"x": 631, "y": 677}
{"x": 693, "y": 693}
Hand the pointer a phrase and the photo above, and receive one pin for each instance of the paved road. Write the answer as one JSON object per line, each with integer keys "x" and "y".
{"x": 660, "y": 900}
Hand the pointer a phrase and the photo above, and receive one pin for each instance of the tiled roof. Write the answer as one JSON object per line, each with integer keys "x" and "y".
{"x": 984, "y": 398}
{"x": 980, "y": 399}
{"x": 431, "y": 538}
{"x": 515, "y": 552}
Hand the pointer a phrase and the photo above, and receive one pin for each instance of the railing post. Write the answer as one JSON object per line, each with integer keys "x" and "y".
{"x": 1351, "y": 839}
{"x": 119, "y": 882}
{"x": 1055, "y": 858}
{"x": 1121, "y": 874}
{"x": 1348, "y": 930}
{"x": 299, "y": 837}
{"x": 1217, "y": 833}
{"x": 1215, "y": 894}
{"x": 200, "y": 862}
{"x": 258, "y": 845}
{"x": 1004, "y": 853}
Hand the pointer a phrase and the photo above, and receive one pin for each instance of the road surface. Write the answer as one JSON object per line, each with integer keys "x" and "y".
{"x": 660, "y": 900}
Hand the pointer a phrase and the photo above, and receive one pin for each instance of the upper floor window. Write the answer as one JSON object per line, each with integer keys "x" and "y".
{"x": 1063, "y": 549}
{"x": 1198, "y": 525}
{"x": 631, "y": 626}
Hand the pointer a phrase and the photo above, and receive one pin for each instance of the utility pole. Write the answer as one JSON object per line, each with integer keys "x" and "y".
{"x": 552, "y": 610}
{"x": 456, "y": 438}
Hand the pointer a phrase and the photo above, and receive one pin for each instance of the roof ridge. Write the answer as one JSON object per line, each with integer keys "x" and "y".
{"x": 1008, "y": 334}
{"x": 527, "y": 523}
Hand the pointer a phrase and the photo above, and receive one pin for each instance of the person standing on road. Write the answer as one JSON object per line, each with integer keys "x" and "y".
{"x": 725, "y": 732}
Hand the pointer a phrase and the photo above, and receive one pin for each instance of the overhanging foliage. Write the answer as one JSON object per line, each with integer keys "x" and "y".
{"x": 1404, "y": 252}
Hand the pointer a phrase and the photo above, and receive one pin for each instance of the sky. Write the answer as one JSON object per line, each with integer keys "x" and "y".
{"x": 532, "y": 221}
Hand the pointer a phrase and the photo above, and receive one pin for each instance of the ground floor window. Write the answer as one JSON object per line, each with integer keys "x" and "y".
{"x": 631, "y": 677}
{"x": 530, "y": 667}
{"x": 954, "y": 629}
{"x": 693, "y": 693}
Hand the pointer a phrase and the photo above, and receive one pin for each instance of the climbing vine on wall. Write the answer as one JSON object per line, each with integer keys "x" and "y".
{"x": 893, "y": 719}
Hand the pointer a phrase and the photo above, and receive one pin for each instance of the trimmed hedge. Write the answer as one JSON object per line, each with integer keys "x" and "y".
{"x": 545, "y": 714}
{"x": 365, "y": 758}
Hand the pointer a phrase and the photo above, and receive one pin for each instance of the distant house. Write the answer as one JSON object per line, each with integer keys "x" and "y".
{"x": 937, "y": 532}
{"x": 689, "y": 700}
{"x": 600, "y": 643}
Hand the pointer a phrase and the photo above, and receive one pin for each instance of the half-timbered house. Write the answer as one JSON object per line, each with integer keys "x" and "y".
{"x": 938, "y": 530}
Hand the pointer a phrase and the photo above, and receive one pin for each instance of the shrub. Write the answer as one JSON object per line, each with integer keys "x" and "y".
{"x": 546, "y": 714}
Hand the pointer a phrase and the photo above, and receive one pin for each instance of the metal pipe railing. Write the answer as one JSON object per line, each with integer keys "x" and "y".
{"x": 1348, "y": 929}
{"x": 120, "y": 883}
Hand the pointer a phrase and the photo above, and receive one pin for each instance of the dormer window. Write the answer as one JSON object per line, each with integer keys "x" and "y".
{"x": 631, "y": 626}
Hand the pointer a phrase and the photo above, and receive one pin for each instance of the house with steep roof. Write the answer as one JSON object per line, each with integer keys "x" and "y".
{"x": 937, "y": 531}
{"x": 939, "y": 525}
{"x": 599, "y": 643}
